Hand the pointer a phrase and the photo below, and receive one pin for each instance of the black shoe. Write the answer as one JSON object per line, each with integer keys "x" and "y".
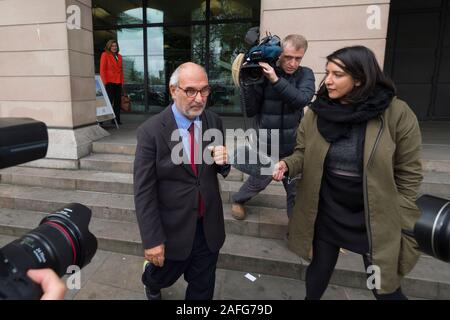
{"x": 152, "y": 295}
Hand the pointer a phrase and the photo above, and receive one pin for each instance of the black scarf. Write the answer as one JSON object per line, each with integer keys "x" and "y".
{"x": 335, "y": 119}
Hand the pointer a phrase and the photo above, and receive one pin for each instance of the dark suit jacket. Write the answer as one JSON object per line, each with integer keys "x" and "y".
{"x": 166, "y": 194}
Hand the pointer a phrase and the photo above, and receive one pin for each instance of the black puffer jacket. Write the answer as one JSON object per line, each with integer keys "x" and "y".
{"x": 280, "y": 105}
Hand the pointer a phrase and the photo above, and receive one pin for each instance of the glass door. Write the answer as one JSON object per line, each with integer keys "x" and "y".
{"x": 156, "y": 36}
{"x": 168, "y": 47}
{"x": 132, "y": 49}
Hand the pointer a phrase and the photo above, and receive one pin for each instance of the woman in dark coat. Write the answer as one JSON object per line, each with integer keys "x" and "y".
{"x": 358, "y": 151}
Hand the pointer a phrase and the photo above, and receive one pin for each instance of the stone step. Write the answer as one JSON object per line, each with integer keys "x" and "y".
{"x": 5, "y": 239}
{"x": 117, "y": 236}
{"x": 436, "y": 183}
{"x": 108, "y": 162}
{"x": 436, "y": 165}
{"x": 436, "y": 157}
{"x": 15, "y": 222}
{"x": 112, "y": 197}
{"x": 116, "y": 276}
{"x": 261, "y": 221}
{"x": 84, "y": 180}
{"x": 123, "y": 163}
{"x": 114, "y": 162}
{"x": 274, "y": 196}
{"x": 114, "y": 148}
{"x": 112, "y": 206}
{"x": 430, "y": 278}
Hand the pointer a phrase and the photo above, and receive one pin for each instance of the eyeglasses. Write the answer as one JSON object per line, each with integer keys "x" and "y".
{"x": 192, "y": 93}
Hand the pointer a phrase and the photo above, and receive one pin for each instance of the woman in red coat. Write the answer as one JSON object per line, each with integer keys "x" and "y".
{"x": 111, "y": 72}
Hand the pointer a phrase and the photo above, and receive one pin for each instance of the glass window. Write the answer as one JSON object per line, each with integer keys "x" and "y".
{"x": 131, "y": 43}
{"x": 415, "y": 4}
{"x": 167, "y": 49}
{"x": 131, "y": 48}
{"x": 235, "y": 9}
{"x": 111, "y": 13}
{"x": 176, "y": 31}
{"x": 447, "y": 29}
{"x": 226, "y": 42}
{"x": 163, "y": 11}
{"x": 155, "y": 15}
{"x": 444, "y": 75}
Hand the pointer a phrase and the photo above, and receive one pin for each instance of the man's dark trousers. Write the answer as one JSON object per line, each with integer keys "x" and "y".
{"x": 199, "y": 270}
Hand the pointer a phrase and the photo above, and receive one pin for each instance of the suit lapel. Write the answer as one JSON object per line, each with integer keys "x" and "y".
{"x": 169, "y": 126}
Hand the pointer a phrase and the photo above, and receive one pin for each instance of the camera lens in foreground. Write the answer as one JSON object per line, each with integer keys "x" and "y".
{"x": 432, "y": 230}
{"x": 62, "y": 239}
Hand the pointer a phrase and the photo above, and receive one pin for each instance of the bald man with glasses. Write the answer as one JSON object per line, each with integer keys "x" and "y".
{"x": 178, "y": 206}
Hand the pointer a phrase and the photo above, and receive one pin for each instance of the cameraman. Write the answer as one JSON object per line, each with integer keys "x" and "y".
{"x": 277, "y": 103}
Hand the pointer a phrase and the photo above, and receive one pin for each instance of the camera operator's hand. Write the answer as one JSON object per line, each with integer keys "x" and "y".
{"x": 51, "y": 284}
{"x": 269, "y": 72}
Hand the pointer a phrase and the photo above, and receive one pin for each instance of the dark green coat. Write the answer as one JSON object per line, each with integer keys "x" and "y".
{"x": 392, "y": 177}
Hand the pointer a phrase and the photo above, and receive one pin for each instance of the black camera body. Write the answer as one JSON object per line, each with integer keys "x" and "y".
{"x": 432, "y": 230}
{"x": 62, "y": 238}
{"x": 268, "y": 50}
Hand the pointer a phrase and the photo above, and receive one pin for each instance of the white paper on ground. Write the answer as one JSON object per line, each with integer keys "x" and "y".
{"x": 250, "y": 277}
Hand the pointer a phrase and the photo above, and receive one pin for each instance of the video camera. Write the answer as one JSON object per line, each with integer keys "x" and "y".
{"x": 268, "y": 50}
{"x": 62, "y": 238}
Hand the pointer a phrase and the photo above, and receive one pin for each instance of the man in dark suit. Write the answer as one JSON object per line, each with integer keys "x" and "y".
{"x": 178, "y": 206}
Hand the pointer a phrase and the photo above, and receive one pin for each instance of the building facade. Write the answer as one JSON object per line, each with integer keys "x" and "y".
{"x": 50, "y": 50}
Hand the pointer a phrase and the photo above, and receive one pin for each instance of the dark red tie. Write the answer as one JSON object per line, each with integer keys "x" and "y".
{"x": 194, "y": 149}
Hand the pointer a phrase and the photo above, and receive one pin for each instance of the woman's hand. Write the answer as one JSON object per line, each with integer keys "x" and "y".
{"x": 279, "y": 170}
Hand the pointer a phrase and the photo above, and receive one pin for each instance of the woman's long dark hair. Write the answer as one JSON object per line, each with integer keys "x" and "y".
{"x": 361, "y": 64}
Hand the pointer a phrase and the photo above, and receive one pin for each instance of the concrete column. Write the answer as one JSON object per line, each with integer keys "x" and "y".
{"x": 47, "y": 73}
{"x": 329, "y": 25}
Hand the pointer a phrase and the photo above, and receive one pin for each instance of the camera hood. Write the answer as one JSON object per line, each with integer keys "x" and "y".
{"x": 432, "y": 230}
{"x": 21, "y": 140}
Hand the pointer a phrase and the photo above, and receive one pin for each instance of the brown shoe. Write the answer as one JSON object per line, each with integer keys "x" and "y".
{"x": 238, "y": 211}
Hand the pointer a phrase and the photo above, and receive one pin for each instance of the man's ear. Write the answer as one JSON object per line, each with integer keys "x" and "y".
{"x": 172, "y": 91}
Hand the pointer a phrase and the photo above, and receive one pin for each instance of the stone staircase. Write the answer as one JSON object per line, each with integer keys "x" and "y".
{"x": 104, "y": 184}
